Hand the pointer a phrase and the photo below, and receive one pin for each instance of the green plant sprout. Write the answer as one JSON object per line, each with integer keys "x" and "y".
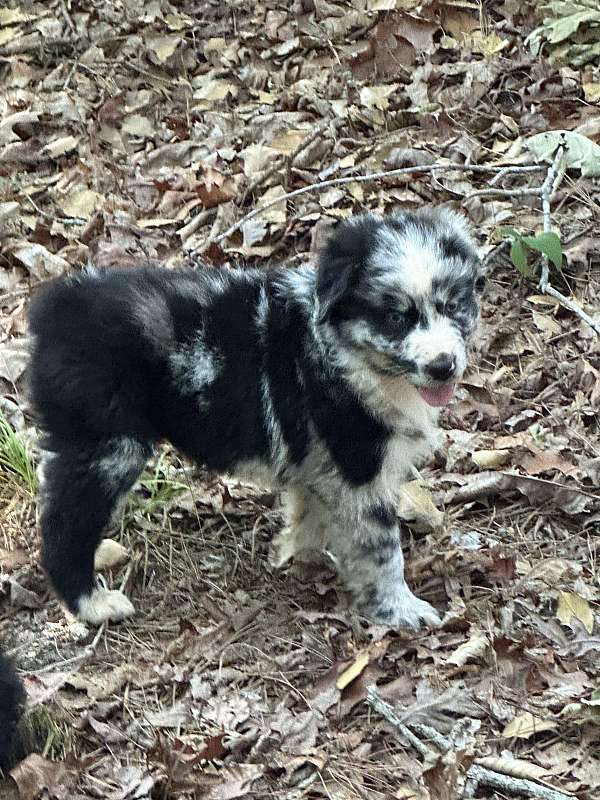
{"x": 547, "y": 243}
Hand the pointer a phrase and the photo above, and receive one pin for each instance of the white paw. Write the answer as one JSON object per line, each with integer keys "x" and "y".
{"x": 417, "y": 614}
{"x": 403, "y": 610}
{"x": 284, "y": 548}
{"x": 103, "y": 605}
{"x": 109, "y": 554}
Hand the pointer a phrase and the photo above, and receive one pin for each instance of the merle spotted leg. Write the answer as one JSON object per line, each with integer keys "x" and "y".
{"x": 305, "y": 528}
{"x": 365, "y": 541}
{"x": 80, "y": 488}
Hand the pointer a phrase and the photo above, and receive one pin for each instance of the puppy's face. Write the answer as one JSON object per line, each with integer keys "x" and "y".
{"x": 402, "y": 293}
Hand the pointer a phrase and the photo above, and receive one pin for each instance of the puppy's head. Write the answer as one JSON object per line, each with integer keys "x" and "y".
{"x": 402, "y": 292}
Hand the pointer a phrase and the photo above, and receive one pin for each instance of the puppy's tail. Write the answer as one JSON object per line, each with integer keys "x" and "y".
{"x": 12, "y": 706}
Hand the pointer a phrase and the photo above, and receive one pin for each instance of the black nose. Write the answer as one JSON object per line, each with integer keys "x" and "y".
{"x": 442, "y": 367}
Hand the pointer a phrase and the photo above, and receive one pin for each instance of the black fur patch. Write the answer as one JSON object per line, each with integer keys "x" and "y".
{"x": 453, "y": 247}
{"x": 12, "y": 704}
{"x": 381, "y": 549}
{"x": 384, "y": 514}
{"x": 345, "y": 254}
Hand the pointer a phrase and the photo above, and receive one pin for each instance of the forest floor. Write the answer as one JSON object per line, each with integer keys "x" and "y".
{"x": 133, "y": 131}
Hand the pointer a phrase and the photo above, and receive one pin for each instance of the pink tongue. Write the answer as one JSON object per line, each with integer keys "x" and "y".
{"x": 438, "y": 396}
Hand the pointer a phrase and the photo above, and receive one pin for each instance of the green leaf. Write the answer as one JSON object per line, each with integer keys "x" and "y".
{"x": 518, "y": 256}
{"x": 506, "y": 233}
{"x": 547, "y": 243}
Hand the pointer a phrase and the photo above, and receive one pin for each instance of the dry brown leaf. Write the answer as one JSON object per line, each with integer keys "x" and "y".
{"x": 20, "y": 597}
{"x": 417, "y": 507}
{"x": 541, "y": 461}
{"x": 236, "y": 781}
{"x": 137, "y": 125}
{"x": 570, "y": 605}
{"x": 526, "y": 725}
{"x": 377, "y": 96}
{"x": 35, "y": 774}
{"x": 40, "y": 261}
{"x": 470, "y": 650}
{"x": 163, "y": 46}
{"x": 286, "y": 143}
{"x": 81, "y": 203}
{"x": 515, "y": 767}
{"x": 353, "y": 671}
{"x": 488, "y": 45}
{"x": 14, "y": 357}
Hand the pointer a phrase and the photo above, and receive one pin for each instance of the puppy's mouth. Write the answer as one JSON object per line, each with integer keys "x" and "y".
{"x": 437, "y": 396}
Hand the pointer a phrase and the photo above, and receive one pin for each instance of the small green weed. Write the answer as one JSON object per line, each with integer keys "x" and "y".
{"x": 161, "y": 489}
{"x": 15, "y": 457}
{"x": 43, "y": 734}
{"x": 522, "y": 247}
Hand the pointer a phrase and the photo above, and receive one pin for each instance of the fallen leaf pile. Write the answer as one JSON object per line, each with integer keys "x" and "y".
{"x": 138, "y": 131}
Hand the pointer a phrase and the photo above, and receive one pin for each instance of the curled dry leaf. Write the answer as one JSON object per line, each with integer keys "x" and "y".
{"x": 470, "y": 650}
{"x": 354, "y": 670}
{"x": 515, "y": 767}
{"x": 526, "y": 725}
{"x": 491, "y": 459}
{"x": 571, "y": 604}
{"x": 417, "y": 507}
{"x": 35, "y": 774}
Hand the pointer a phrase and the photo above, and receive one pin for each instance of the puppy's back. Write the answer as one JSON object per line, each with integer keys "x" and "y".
{"x": 92, "y": 366}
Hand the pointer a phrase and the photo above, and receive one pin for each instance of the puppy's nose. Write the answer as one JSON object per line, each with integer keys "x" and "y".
{"x": 442, "y": 367}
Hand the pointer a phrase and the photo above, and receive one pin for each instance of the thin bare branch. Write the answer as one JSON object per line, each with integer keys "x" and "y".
{"x": 550, "y": 185}
{"x": 372, "y": 176}
{"x": 481, "y": 776}
{"x": 378, "y": 704}
{"x": 477, "y": 775}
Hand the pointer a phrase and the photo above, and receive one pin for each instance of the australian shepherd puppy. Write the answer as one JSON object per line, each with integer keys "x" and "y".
{"x": 325, "y": 383}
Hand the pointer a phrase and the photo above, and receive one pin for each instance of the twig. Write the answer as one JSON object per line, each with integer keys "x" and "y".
{"x": 428, "y": 732}
{"x": 476, "y": 775}
{"x": 373, "y": 176}
{"x": 193, "y": 225}
{"x": 285, "y": 160}
{"x": 572, "y": 306}
{"x": 547, "y": 190}
{"x": 387, "y": 712}
{"x": 89, "y": 651}
{"x": 67, "y": 16}
{"x": 550, "y": 185}
{"x": 500, "y": 192}
{"x": 481, "y": 776}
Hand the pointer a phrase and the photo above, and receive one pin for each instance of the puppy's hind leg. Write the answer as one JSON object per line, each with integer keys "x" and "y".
{"x": 81, "y": 487}
{"x": 305, "y": 529}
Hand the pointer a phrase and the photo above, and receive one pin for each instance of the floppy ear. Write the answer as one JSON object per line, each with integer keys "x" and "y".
{"x": 344, "y": 255}
{"x": 333, "y": 281}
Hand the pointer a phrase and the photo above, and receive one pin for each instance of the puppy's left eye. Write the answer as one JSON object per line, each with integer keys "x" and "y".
{"x": 395, "y": 316}
{"x": 451, "y": 307}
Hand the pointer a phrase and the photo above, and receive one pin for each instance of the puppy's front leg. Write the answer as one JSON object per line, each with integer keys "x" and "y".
{"x": 366, "y": 543}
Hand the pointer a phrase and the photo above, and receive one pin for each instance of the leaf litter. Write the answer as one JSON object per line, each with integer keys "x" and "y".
{"x": 142, "y": 131}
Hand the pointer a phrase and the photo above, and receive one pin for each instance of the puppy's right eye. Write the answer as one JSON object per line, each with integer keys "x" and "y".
{"x": 395, "y": 317}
